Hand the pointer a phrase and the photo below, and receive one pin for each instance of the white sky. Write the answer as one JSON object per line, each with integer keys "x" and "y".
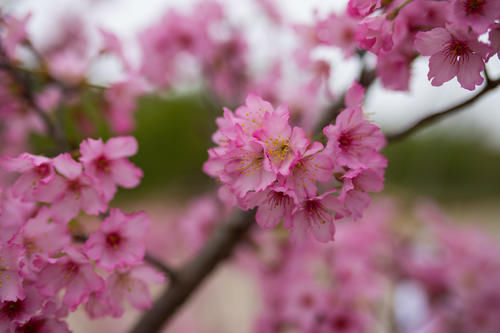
{"x": 392, "y": 110}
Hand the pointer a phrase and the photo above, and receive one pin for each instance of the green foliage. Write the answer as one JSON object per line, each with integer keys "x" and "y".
{"x": 444, "y": 168}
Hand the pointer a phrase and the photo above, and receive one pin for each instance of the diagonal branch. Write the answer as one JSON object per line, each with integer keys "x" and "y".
{"x": 220, "y": 246}
{"x": 435, "y": 117}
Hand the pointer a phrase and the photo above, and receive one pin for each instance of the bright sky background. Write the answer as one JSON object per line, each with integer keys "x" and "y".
{"x": 392, "y": 110}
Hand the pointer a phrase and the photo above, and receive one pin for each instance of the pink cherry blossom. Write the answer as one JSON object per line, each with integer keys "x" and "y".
{"x": 282, "y": 145}
{"x": 36, "y": 170}
{"x": 275, "y": 203}
{"x": 72, "y": 192}
{"x": 352, "y": 137}
{"x": 42, "y": 238}
{"x": 15, "y": 33}
{"x": 131, "y": 285}
{"x": 72, "y": 272}
{"x": 362, "y": 8}
{"x": 313, "y": 165}
{"x": 375, "y": 35}
{"x": 340, "y": 31}
{"x": 119, "y": 241}
{"x": 454, "y": 53}
{"x": 479, "y": 15}
{"x": 245, "y": 169}
{"x": 18, "y": 312}
{"x": 107, "y": 162}
{"x": 316, "y": 215}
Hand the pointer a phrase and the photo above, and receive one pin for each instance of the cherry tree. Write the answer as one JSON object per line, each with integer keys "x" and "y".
{"x": 295, "y": 163}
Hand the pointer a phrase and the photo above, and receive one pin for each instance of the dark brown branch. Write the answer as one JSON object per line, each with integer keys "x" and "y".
{"x": 435, "y": 117}
{"x": 220, "y": 246}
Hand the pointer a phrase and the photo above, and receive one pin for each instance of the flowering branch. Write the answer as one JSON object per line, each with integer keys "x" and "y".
{"x": 428, "y": 120}
{"x": 220, "y": 246}
{"x": 24, "y": 81}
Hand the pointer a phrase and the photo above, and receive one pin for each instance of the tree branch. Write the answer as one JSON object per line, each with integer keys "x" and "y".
{"x": 220, "y": 246}
{"x": 435, "y": 117}
{"x": 25, "y": 83}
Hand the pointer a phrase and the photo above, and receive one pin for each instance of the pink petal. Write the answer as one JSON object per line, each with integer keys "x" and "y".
{"x": 67, "y": 166}
{"x": 120, "y": 147}
{"x": 125, "y": 174}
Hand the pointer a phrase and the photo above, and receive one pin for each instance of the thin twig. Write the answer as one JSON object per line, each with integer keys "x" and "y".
{"x": 221, "y": 245}
{"x": 433, "y": 118}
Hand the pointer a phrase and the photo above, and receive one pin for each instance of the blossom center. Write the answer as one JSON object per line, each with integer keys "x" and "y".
{"x": 113, "y": 239}
{"x": 340, "y": 323}
{"x": 278, "y": 199}
{"x": 70, "y": 269}
{"x": 345, "y": 141}
{"x": 42, "y": 170}
{"x": 12, "y": 308}
{"x": 102, "y": 164}
{"x": 457, "y": 51}
{"x": 32, "y": 326}
{"x": 278, "y": 149}
{"x": 250, "y": 162}
{"x": 474, "y": 6}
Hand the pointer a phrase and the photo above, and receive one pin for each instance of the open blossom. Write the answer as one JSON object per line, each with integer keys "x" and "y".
{"x": 72, "y": 191}
{"x": 119, "y": 241}
{"x": 352, "y": 137}
{"x": 36, "y": 170}
{"x": 108, "y": 163}
{"x": 375, "y": 35}
{"x": 42, "y": 238}
{"x": 282, "y": 145}
{"x": 275, "y": 203}
{"x": 131, "y": 285}
{"x": 18, "y": 312}
{"x": 454, "y": 53}
{"x": 74, "y": 273}
{"x": 312, "y": 166}
{"x": 479, "y": 15}
{"x": 317, "y": 215}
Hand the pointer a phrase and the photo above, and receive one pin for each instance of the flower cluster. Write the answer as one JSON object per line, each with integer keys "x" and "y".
{"x": 443, "y": 284}
{"x": 203, "y": 40}
{"x": 262, "y": 161}
{"x": 45, "y": 271}
{"x": 397, "y": 31}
